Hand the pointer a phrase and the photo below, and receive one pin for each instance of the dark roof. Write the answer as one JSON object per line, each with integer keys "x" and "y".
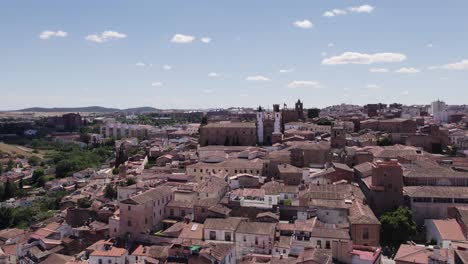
{"x": 208, "y": 202}
{"x": 182, "y": 204}
{"x": 256, "y": 228}
{"x": 150, "y": 195}
{"x": 230, "y": 223}
{"x": 436, "y": 191}
{"x": 219, "y": 251}
{"x": 268, "y": 214}
{"x": 342, "y": 166}
{"x": 230, "y": 125}
{"x": 430, "y": 169}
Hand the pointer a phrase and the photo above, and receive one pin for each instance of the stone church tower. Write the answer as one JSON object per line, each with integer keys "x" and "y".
{"x": 268, "y": 124}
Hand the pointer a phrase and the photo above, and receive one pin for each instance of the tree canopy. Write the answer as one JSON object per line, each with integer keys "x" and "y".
{"x": 397, "y": 227}
{"x": 313, "y": 112}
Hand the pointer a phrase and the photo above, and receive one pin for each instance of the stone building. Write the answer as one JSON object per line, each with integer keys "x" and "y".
{"x": 228, "y": 134}
{"x": 384, "y": 188}
{"x": 143, "y": 212}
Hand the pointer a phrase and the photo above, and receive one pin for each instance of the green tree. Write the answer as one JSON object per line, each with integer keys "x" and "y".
{"x": 313, "y": 112}
{"x": 10, "y": 165}
{"x": 84, "y": 203}
{"x": 110, "y": 192}
{"x": 20, "y": 184}
{"x": 8, "y": 190}
{"x": 6, "y": 217}
{"x": 121, "y": 156}
{"x": 130, "y": 181}
{"x": 85, "y": 137}
{"x": 34, "y": 160}
{"x": 384, "y": 141}
{"x": 204, "y": 120}
{"x": 41, "y": 181}
{"x": 36, "y": 175}
{"x": 397, "y": 227}
{"x": 324, "y": 122}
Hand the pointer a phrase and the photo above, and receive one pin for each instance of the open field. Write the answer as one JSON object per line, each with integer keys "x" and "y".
{"x": 19, "y": 150}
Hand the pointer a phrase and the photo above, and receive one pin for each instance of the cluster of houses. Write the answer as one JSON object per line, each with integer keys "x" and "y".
{"x": 309, "y": 194}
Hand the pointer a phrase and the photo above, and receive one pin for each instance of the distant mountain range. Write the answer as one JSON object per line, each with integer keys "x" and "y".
{"x": 88, "y": 109}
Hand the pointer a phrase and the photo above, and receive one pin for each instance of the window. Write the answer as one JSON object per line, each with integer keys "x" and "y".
{"x": 442, "y": 200}
{"x": 109, "y": 261}
{"x": 422, "y": 199}
{"x": 461, "y": 200}
{"x": 245, "y": 239}
{"x": 365, "y": 233}
{"x": 227, "y": 236}
{"x": 212, "y": 235}
{"x": 171, "y": 212}
{"x": 146, "y": 221}
{"x": 129, "y": 223}
{"x": 327, "y": 244}
{"x": 256, "y": 240}
{"x": 100, "y": 261}
{"x": 182, "y": 213}
{"x": 129, "y": 208}
{"x": 319, "y": 243}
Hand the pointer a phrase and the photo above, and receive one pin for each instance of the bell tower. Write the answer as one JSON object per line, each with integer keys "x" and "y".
{"x": 277, "y": 124}
{"x": 259, "y": 124}
{"x": 299, "y": 109}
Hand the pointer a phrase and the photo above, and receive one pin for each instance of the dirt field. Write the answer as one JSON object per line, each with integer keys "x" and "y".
{"x": 18, "y": 150}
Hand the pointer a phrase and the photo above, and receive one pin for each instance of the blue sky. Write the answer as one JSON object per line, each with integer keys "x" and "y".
{"x": 150, "y": 53}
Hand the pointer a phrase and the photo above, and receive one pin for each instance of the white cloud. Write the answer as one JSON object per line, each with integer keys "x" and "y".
{"x": 205, "y": 40}
{"x": 303, "y": 24}
{"x": 243, "y": 95}
{"x": 286, "y": 70}
{"x": 182, "y": 39}
{"x": 373, "y": 87}
{"x": 408, "y": 70}
{"x": 156, "y": 84}
{"x": 300, "y": 84}
{"x": 48, "y": 34}
{"x": 406, "y": 92}
{"x": 213, "y": 74}
{"x": 105, "y": 36}
{"x": 362, "y": 9}
{"x": 167, "y": 67}
{"x": 335, "y": 12}
{"x": 323, "y": 54}
{"x": 330, "y": 45}
{"x": 430, "y": 45}
{"x": 378, "y": 70}
{"x": 354, "y": 9}
{"x": 207, "y": 91}
{"x": 140, "y": 64}
{"x": 363, "y": 58}
{"x": 257, "y": 78}
{"x": 456, "y": 66}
